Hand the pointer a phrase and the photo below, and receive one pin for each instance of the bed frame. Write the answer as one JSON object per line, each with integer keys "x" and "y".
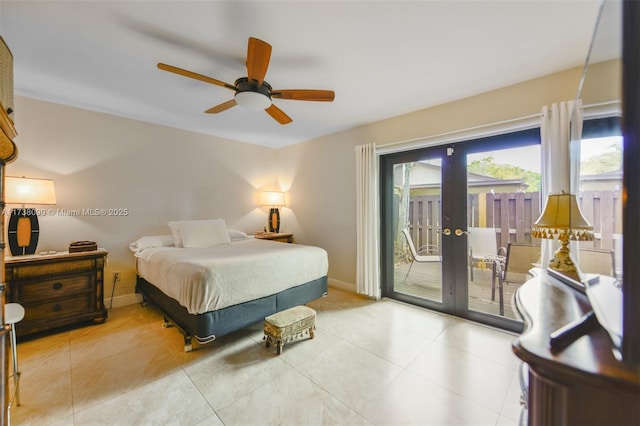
{"x": 206, "y": 327}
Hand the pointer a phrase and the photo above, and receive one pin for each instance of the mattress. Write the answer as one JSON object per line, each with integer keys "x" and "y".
{"x": 213, "y": 278}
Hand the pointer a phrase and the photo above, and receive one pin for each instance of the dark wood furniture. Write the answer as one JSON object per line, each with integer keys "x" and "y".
{"x": 8, "y": 153}
{"x": 281, "y": 237}
{"x": 584, "y": 384}
{"x": 57, "y": 290}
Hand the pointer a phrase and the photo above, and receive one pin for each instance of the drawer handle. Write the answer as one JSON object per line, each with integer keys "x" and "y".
{"x": 57, "y": 286}
{"x": 56, "y": 308}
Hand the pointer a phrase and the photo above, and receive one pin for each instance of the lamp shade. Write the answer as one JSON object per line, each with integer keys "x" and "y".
{"x": 562, "y": 215}
{"x": 22, "y": 190}
{"x": 272, "y": 198}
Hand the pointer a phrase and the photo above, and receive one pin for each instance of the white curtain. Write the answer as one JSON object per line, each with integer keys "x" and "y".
{"x": 367, "y": 222}
{"x": 560, "y": 131}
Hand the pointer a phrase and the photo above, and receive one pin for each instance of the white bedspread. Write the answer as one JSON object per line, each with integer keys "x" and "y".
{"x": 207, "y": 279}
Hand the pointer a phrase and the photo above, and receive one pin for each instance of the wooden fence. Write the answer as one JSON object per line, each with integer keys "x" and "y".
{"x": 512, "y": 215}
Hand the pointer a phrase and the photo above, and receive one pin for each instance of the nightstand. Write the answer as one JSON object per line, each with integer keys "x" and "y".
{"x": 57, "y": 289}
{"x": 281, "y": 237}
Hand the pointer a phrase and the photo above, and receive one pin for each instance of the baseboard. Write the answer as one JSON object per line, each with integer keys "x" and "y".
{"x": 342, "y": 285}
{"x": 127, "y": 299}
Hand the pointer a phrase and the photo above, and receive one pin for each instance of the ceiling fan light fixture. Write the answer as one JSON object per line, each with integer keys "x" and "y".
{"x": 253, "y": 100}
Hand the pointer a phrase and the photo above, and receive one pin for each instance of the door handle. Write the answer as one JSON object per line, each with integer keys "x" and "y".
{"x": 459, "y": 232}
{"x": 446, "y": 231}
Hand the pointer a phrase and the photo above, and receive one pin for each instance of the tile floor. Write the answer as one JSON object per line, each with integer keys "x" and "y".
{"x": 371, "y": 363}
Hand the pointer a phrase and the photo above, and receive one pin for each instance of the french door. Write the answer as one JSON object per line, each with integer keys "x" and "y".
{"x": 448, "y": 216}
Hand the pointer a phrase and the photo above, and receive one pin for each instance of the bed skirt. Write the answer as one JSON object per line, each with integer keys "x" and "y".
{"x": 209, "y": 325}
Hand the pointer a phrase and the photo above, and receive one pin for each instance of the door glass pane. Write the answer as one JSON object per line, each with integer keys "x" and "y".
{"x": 417, "y": 245}
{"x": 503, "y": 200}
{"x": 601, "y": 203}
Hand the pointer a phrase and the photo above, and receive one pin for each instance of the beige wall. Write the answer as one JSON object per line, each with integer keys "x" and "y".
{"x": 156, "y": 173}
{"x": 161, "y": 174}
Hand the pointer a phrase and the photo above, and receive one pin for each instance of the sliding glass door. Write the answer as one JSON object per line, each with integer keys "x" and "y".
{"x": 449, "y": 215}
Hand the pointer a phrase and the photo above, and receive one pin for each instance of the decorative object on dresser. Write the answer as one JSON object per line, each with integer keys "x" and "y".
{"x": 274, "y": 199}
{"x": 282, "y": 237}
{"x": 58, "y": 289}
{"x": 563, "y": 220}
{"x": 24, "y": 229}
{"x": 79, "y": 246}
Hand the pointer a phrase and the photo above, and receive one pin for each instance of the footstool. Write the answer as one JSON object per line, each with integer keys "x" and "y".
{"x": 287, "y": 325}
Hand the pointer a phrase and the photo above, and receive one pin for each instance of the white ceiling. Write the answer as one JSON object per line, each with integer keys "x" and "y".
{"x": 382, "y": 58}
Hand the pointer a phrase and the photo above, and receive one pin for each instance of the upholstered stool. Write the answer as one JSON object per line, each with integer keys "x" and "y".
{"x": 14, "y": 313}
{"x": 283, "y": 327}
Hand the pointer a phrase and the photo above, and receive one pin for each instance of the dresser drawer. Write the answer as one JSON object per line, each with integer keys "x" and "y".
{"x": 26, "y": 271}
{"x": 54, "y": 287}
{"x": 58, "y": 308}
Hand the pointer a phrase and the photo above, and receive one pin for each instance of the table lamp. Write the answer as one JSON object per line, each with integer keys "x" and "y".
{"x": 274, "y": 199}
{"x": 24, "y": 229}
{"x": 562, "y": 220}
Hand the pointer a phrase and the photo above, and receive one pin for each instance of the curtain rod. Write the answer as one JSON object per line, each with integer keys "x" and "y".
{"x": 520, "y": 123}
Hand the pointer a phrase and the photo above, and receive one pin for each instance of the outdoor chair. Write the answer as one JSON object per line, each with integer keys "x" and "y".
{"x": 520, "y": 259}
{"x": 425, "y": 253}
{"x": 483, "y": 250}
{"x": 596, "y": 261}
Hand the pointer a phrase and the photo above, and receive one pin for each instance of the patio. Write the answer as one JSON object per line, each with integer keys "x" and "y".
{"x": 424, "y": 281}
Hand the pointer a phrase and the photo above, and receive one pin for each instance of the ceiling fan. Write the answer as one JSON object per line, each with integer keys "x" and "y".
{"x": 253, "y": 91}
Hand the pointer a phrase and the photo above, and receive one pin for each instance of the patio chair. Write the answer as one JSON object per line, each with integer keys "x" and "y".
{"x": 520, "y": 259}
{"x": 418, "y": 254}
{"x": 483, "y": 249}
{"x": 596, "y": 261}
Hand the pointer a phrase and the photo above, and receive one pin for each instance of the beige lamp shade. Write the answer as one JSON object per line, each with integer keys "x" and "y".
{"x": 22, "y": 190}
{"x": 562, "y": 220}
{"x": 562, "y": 215}
{"x": 272, "y": 198}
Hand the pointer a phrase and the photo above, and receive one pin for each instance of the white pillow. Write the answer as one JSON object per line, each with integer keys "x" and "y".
{"x": 175, "y": 232}
{"x": 151, "y": 241}
{"x": 203, "y": 233}
{"x": 236, "y": 235}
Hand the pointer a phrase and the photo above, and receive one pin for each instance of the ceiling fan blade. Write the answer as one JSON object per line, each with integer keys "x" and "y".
{"x": 304, "y": 95}
{"x": 258, "y": 56}
{"x": 197, "y": 76}
{"x": 222, "y": 107}
{"x": 278, "y": 115}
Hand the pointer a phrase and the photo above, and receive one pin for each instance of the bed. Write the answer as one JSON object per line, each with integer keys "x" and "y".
{"x": 209, "y": 290}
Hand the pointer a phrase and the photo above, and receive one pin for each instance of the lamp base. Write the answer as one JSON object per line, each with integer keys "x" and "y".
{"x": 563, "y": 263}
{"x": 23, "y": 231}
{"x": 274, "y": 220}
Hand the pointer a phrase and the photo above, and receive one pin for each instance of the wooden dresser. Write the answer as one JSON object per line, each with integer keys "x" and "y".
{"x": 584, "y": 384}
{"x": 56, "y": 290}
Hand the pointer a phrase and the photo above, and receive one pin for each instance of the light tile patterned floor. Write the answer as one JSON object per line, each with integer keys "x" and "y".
{"x": 371, "y": 363}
